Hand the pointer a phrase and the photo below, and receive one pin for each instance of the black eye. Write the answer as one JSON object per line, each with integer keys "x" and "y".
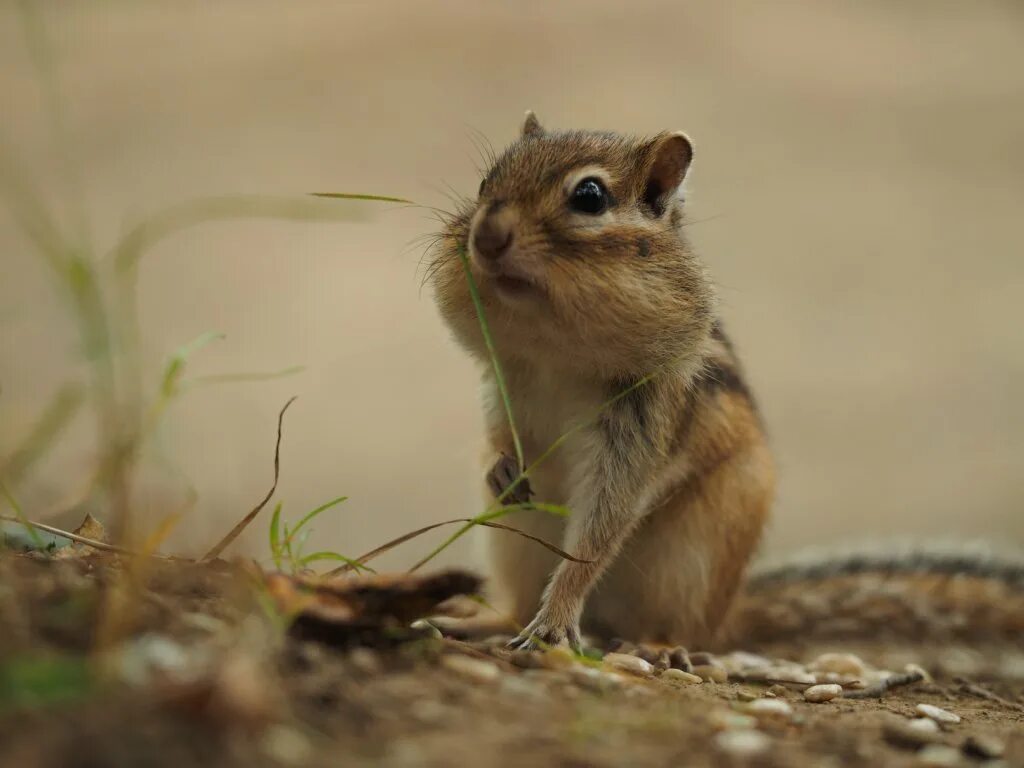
{"x": 590, "y": 196}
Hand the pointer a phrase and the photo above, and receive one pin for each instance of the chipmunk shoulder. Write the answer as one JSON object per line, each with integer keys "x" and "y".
{"x": 604, "y": 321}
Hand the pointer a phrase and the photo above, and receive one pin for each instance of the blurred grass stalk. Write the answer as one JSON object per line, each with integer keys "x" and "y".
{"x": 100, "y": 294}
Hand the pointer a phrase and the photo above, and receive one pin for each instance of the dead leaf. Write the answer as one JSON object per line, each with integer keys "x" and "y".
{"x": 91, "y": 529}
{"x": 364, "y": 610}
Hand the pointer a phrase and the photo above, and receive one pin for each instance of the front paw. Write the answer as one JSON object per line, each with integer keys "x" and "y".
{"x": 503, "y": 475}
{"x": 543, "y": 632}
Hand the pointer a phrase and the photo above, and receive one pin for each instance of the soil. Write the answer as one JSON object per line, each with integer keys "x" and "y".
{"x": 182, "y": 664}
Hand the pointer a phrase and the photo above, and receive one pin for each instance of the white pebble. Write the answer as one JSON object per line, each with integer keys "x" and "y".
{"x": 939, "y": 715}
{"x": 739, "y": 661}
{"x": 771, "y": 707}
{"x": 985, "y": 747}
{"x": 727, "y": 720}
{"x": 924, "y": 724}
{"x": 840, "y": 664}
{"x": 938, "y": 756}
{"x": 520, "y": 685}
{"x": 473, "y": 669}
{"x": 427, "y": 628}
{"x": 742, "y": 743}
{"x": 711, "y": 674}
{"x": 679, "y": 676}
{"x": 626, "y": 663}
{"x": 822, "y": 693}
{"x": 594, "y": 679}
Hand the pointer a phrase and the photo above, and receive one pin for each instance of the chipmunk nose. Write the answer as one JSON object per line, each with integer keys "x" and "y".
{"x": 494, "y": 233}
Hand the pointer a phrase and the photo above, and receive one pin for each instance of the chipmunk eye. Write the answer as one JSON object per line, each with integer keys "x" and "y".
{"x": 590, "y": 196}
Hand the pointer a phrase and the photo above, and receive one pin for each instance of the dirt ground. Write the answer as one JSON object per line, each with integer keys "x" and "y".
{"x": 199, "y": 674}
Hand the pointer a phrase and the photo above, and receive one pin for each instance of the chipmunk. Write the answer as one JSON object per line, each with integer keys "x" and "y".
{"x": 605, "y": 324}
{"x": 604, "y": 321}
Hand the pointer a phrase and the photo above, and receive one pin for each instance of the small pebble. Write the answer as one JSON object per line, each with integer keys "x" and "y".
{"x": 711, "y": 674}
{"x": 939, "y": 715}
{"x": 822, "y": 693}
{"x": 558, "y": 658}
{"x": 727, "y": 720}
{"x": 632, "y": 664}
{"x": 428, "y": 711}
{"x": 427, "y": 628}
{"x": 365, "y": 660}
{"x": 840, "y": 664}
{"x": 777, "y": 690}
{"x": 520, "y": 685}
{"x": 769, "y": 707}
{"x": 472, "y": 669}
{"x": 924, "y": 724}
{"x": 740, "y": 660}
{"x": 594, "y": 679}
{"x": 744, "y": 695}
{"x": 287, "y": 746}
{"x": 528, "y": 659}
{"x": 742, "y": 743}
{"x": 938, "y": 756}
{"x": 985, "y": 747}
{"x": 678, "y": 676}
{"x": 900, "y": 734}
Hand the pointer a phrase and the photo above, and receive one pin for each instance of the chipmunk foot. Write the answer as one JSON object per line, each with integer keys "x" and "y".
{"x": 504, "y": 474}
{"x": 661, "y": 656}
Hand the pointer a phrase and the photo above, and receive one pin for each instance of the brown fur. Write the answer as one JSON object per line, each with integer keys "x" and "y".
{"x": 670, "y": 484}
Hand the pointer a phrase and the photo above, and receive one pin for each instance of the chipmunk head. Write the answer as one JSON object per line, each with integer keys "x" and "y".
{"x": 575, "y": 242}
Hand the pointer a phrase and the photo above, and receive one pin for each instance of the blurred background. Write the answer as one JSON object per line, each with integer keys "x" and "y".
{"x": 858, "y": 192}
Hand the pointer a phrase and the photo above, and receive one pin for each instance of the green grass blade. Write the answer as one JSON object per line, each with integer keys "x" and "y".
{"x": 335, "y": 557}
{"x": 313, "y": 514}
{"x": 176, "y": 364}
{"x": 37, "y": 540}
{"x": 275, "y": 536}
{"x": 286, "y": 545}
{"x": 43, "y": 681}
{"x": 353, "y": 196}
{"x": 499, "y": 375}
{"x": 234, "y": 378}
{"x": 128, "y": 251}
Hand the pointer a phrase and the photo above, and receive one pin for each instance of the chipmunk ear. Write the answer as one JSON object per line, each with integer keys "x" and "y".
{"x": 669, "y": 158}
{"x": 531, "y": 125}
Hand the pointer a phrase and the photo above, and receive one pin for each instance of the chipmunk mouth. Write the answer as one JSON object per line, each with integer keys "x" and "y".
{"x": 510, "y": 282}
{"x": 514, "y": 285}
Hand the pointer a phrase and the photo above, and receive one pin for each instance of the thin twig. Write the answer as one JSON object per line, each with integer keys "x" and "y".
{"x": 95, "y": 544}
{"x": 419, "y": 532}
{"x": 893, "y": 681}
{"x": 244, "y": 522}
{"x": 973, "y": 689}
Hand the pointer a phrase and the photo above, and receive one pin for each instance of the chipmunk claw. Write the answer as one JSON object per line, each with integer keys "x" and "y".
{"x": 544, "y": 634}
{"x": 504, "y": 474}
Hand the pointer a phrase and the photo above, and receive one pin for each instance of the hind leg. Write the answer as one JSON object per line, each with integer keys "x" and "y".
{"x": 674, "y": 581}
